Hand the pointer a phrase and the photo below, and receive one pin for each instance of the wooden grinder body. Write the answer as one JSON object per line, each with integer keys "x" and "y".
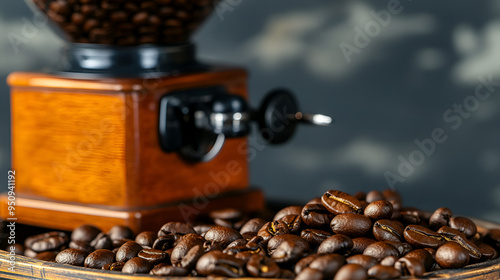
{"x": 87, "y": 151}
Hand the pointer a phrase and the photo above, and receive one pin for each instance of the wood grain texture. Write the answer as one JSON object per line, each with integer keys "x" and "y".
{"x": 27, "y": 268}
{"x": 66, "y": 216}
{"x": 68, "y": 146}
{"x": 96, "y": 141}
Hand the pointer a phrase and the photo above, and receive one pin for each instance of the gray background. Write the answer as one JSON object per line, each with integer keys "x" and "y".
{"x": 394, "y": 91}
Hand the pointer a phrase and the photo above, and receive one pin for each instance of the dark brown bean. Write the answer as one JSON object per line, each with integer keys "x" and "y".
{"x": 185, "y": 244}
{"x": 351, "y": 272}
{"x": 420, "y": 237}
{"x": 153, "y": 256}
{"x": 374, "y": 196}
{"x": 424, "y": 256}
{"x": 316, "y": 215}
{"x": 380, "y": 250}
{"x": 85, "y": 233}
{"x": 440, "y": 217}
{"x": 116, "y": 266}
{"x": 165, "y": 242}
{"x": 72, "y": 257}
{"x": 128, "y": 251}
{"x": 293, "y": 222}
{"x": 46, "y": 241}
{"x": 192, "y": 256}
{"x": 352, "y": 225}
{"x": 102, "y": 241}
{"x": 47, "y": 256}
{"x": 464, "y": 225}
{"x": 360, "y": 244}
{"x": 175, "y": 227}
{"x": 253, "y": 225}
{"x": 338, "y": 202}
{"x": 146, "y": 238}
{"x": 262, "y": 266}
{"x": 452, "y": 255}
{"x": 120, "y": 232}
{"x": 492, "y": 237}
{"x": 216, "y": 262}
{"x": 99, "y": 258}
{"x": 365, "y": 261}
{"x": 383, "y": 272}
{"x": 338, "y": 243}
{"x": 164, "y": 269}
{"x": 328, "y": 264}
{"x": 222, "y": 235}
{"x": 81, "y": 245}
{"x": 388, "y": 230}
{"x": 314, "y": 236}
{"x": 309, "y": 274}
{"x": 137, "y": 265}
{"x": 380, "y": 209}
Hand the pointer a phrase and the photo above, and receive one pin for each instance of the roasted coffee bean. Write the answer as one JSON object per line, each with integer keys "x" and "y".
{"x": 30, "y": 253}
{"x": 202, "y": 228}
{"x": 420, "y": 237}
{"x": 185, "y": 244}
{"x": 389, "y": 261}
{"x": 164, "y": 269}
{"x": 48, "y": 256}
{"x": 218, "y": 263}
{"x": 379, "y": 209}
{"x": 175, "y": 227}
{"x": 85, "y": 233}
{"x": 316, "y": 215}
{"x": 314, "y": 236}
{"x": 102, "y": 241}
{"x": 153, "y": 256}
{"x": 360, "y": 244}
{"x": 117, "y": 243}
{"x": 365, "y": 261}
{"x": 290, "y": 210}
{"x": 164, "y": 242}
{"x": 226, "y": 214}
{"x": 449, "y": 233}
{"x": 492, "y": 237}
{"x": 262, "y": 266}
{"x": 402, "y": 247}
{"x": 128, "y": 251}
{"x": 464, "y": 225}
{"x": 293, "y": 222}
{"x": 46, "y": 241}
{"x": 253, "y": 225}
{"x": 338, "y": 202}
{"x": 305, "y": 262}
{"x": 268, "y": 230}
{"x": 309, "y": 274}
{"x": 338, "y": 243}
{"x": 146, "y": 238}
{"x": 72, "y": 257}
{"x": 410, "y": 266}
{"x": 120, "y": 232}
{"x": 440, "y": 217}
{"x": 409, "y": 219}
{"x": 424, "y": 256}
{"x": 360, "y": 195}
{"x": 452, "y": 255}
{"x": 116, "y": 266}
{"x": 137, "y": 265}
{"x": 99, "y": 258}
{"x": 474, "y": 253}
{"x": 222, "y": 235}
{"x": 388, "y": 230}
{"x": 351, "y": 271}
{"x": 81, "y": 245}
{"x": 250, "y": 235}
{"x": 328, "y": 264}
{"x": 374, "y": 196}
{"x": 289, "y": 251}
{"x": 352, "y": 225}
{"x": 393, "y": 197}
{"x": 380, "y": 250}
{"x": 276, "y": 241}
{"x": 192, "y": 256}
{"x": 487, "y": 251}
{"x": 382, "y": 272}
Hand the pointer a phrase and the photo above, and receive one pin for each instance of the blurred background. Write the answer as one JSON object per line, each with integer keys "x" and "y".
{"x": 389, "y": 72}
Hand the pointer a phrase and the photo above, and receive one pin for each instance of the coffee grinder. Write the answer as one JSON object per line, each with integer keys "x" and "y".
{"x": 132, "y": 129}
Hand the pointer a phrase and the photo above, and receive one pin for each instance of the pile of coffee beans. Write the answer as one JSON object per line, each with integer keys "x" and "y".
{"x": 338, "y": 235}
{"x": 124, "y": 23}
